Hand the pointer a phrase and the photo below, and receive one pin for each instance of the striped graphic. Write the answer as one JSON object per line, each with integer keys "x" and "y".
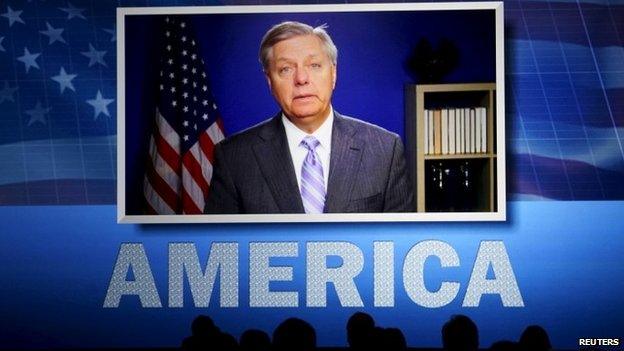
{"x": 186, "y": 127}
{"x": 564, "y": 106}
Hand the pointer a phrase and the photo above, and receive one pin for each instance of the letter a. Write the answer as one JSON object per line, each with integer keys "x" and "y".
{"x": 505, "y": 284}
{"x": 132, "y": 255}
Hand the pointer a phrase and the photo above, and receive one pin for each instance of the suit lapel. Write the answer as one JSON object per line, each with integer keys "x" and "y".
{"x": 346, "y": 154}
{"x": 273, "y": 156}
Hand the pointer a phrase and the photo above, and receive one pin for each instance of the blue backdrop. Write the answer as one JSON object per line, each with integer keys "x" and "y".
{"x": 59, "y": 243}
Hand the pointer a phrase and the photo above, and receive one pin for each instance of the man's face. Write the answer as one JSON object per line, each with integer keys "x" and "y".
{"x": 302, "y": 77}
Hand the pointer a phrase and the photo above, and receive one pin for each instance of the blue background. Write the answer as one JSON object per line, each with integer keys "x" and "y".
{"x": 565, "y": 111}
{"x": 567, "y": 258}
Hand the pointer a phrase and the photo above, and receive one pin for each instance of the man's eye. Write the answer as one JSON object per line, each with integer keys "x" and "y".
{"x": 284, "y": 70}
{"x": 316, "y": 65}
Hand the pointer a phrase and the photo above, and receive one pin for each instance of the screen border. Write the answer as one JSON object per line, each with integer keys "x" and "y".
{"x": 499, "y": 215}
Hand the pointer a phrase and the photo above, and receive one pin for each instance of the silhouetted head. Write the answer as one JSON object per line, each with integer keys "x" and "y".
{"x": 255, "y": 340}
{"x": 294, "y": 334}
{"x": 535, "y": 338}
{"x": 202, "y": 325}
{"x": 359, "y": 330}
{"x": 460, "y": 334}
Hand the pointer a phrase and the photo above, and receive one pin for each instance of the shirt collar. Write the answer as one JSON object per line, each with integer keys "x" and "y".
{"x": 322, "y": 134}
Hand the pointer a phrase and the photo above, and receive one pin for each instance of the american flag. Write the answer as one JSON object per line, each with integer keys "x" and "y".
{"x": 187, "y": 125}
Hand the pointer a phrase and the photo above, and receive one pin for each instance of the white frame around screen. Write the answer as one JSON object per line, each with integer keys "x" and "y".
{"x": 499, "y": 215}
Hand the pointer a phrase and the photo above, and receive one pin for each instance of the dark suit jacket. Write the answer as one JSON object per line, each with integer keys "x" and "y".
{"x": 254, "y": 173}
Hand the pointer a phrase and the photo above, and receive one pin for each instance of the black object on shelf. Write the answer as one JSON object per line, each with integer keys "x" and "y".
{"x": 455, "y": 185}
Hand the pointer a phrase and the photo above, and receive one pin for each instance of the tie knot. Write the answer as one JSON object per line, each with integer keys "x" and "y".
{"x": 310, "y": 143}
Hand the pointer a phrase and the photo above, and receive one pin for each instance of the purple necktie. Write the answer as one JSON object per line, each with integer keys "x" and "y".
{"x": 312, "y": 181}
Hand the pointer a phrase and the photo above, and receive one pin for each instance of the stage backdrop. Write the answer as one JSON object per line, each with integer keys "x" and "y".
{"x": 556, "y": 261}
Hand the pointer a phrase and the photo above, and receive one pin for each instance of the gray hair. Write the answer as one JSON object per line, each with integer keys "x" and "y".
{"x": 290, "y": 29}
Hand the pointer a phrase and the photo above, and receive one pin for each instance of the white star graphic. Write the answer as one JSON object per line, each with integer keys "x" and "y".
{"x": 13, "y": 16}
{"x": 73, "y": 11}
{"x": 6, "y": 94}
{"x": 112, "y": 32}
{"x": 65, "y": 80}
{"x": 37, "y": 114}
{"x": 95, "y": 56}
{"x": 53, "y": 34}
{"x": 100, "y": 105}
{"x": 29, "y": 59}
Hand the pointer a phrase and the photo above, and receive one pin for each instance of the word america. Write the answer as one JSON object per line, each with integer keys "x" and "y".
{"x": 223, "y": 261}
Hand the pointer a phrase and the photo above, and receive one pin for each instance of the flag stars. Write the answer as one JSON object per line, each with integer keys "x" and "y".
{"x": 65, "y": 80}
{"x": 37, "y": 114}
{"x": 173, "y": 89}
{"x": 205, "y": 116}
{"x": 100, "y": 105}
{"x": 73, "y": 11}
{"x": 168, "y": 47}
{"x": 174, "y": 103}
{"x": 214, "y": 106}
{"x": 203, "y": 74}
{"x": 194, "y": 84}
{"x": 95, "y": 56}
{"x": 184, "y": 52}
{"x": 194, "y": 98}
{"x": 205, "y": 102}
{"x": 204, "y": 88}
{"x": 194, "y": 56}
{"x": 13, "y": 16}
{"x": 53, "y": 34}
{"x": 162, "y": 87}
{"x": 186, "y": 137}
{"x": 185, "y": 109}
{"x": 112, "y": 32}
{"x": 194, "y": 70}
{"x": 185, "y": 67}
{"x": 171, "y": 75}
{"x": 185, "y": 95}
{"x": 183, "y": 25}
{"x": 185, "y": 81}
{"x": 6, "y": 94}
{"x": 193, "y": 42}
{"x": 183, "y": 39}
{"x": 170, "y": 61}
{"x": 167, "y": 34}
{"x": 185, "y": 123}
{"x": 29, "y": 59}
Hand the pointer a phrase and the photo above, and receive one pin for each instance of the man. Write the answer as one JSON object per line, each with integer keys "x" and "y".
{"x": 308, "y": 158}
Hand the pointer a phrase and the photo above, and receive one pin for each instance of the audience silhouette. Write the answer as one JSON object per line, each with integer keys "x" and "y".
{"x": 255, "y": 340}
{"x": 504, "y": 345}
{"x": 294, "y": 334}
{"x": 459, "y": 333}
{"x": 534, "y": 338}
{"x": 360, "y": 330}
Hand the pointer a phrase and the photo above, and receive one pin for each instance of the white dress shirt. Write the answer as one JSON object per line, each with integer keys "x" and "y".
{"x": 323, "y": 134}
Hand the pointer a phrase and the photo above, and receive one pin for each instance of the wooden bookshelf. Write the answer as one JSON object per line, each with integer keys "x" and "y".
{"x": 418, "y": 98}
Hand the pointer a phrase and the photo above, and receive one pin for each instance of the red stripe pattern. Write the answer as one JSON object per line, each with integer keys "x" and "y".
{"x": 187, "y": 126}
